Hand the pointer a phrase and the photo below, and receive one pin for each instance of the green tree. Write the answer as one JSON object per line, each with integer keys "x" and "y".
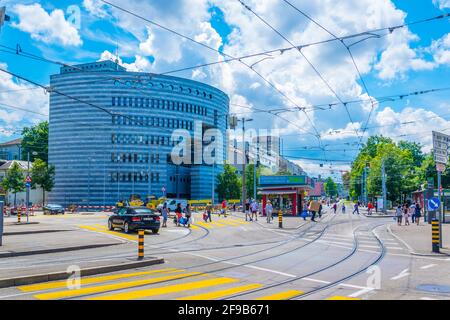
{"x": 14, "y": 180}
{"x": 228, "y": 184}
{"x": 249, "y": 179}
{"x": 330, "y": 187}
{"x": 35, "y": 139}
{"x": 43, "y": 175}
{"x": 283, "y": 172}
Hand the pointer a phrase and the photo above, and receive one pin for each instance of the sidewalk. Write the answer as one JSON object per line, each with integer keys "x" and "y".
{"x": 289, "y": 222}
{"x": 418, "y": 238}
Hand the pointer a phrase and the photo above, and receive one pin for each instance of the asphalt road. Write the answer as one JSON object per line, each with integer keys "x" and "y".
{"x": 342, "y": 256}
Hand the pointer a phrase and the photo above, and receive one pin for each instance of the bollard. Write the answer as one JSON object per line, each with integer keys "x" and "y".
{"x": 18, "y": 215}
{"x": 435, "y": 235}
{"x": 280, "y": 219}
{"x": 141, "y": 245}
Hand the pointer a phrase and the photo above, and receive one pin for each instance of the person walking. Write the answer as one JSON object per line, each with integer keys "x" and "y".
{"x": 164, "y": 213}
{"x": 208, "y": 212}
{"x": 269, "y": 211}
{"x": 406, "y": 214}
{"x": 305, "y": 211}
{"x": 224, "y": 208}
{"x": 247, "y": 210}
{"x": 412, "y": 212}
{"x": 320, "y": 210}
{"x": 343, "y": 207}
{"x": 418, "y": 213}
{"x": 254, "y": 208}
{"x": 356, "y": 208}
{"x": 335, "y": 207}
{"x": 369, "y": 208}
{"x": 188, "y": 215}
{"x": 399, "y": 215}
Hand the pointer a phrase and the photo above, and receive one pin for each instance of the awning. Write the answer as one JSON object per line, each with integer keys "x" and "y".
{"x": 266, "y": 192}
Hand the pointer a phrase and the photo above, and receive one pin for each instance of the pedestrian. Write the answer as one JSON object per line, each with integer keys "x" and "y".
{"x": 224, "y": 208}
{"x": 178, "y": 213}
{"x": 164, "y": 213}
{"x": 369, "y": 208}
{"x": 406, "y": 214}
{"x": 254, "y": 208}
{"x": 320, "y": 210}
{"x": 412, "y": 212}
{"x": 335, "y": 207}
{"x": 399, "y": 215}
{"x": 269, "y": 211}
{"x": 188, "y": 215}
{"x": 356, "y": 208}
{"x": 343, "y": 207}
{"x": 247, "y": 210}
{"x": 418, "y": 213}
{"x": 234, "y": 207}
{"x": 305, "y": 210}
{"x": 208, "y": 212}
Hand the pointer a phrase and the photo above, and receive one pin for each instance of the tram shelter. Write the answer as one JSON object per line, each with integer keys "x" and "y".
{"x": 285, "y": 192}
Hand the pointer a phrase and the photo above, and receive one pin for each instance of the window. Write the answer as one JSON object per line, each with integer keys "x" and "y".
{"x": 113, "y": 101}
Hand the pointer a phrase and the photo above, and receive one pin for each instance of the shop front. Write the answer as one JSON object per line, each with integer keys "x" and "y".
{"x": 286, "y": 193}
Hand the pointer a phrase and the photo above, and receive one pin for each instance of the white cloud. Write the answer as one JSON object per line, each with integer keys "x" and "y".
{"x": 50, "y": 28}
{"x": 420, "y": 124}
{"x": 208, "y": 36}
{"x": 140, "y": 64}
{"x": 198, "y": 74}
{"x": 352, "y": 130}
{"x": 442, "y": 4}
{"x": 96, "y": 8}
{"x": 441, "y": 50}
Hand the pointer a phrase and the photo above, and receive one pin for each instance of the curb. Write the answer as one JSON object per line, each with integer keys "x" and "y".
{"x": 37, "y": 278}
{"x": 18, "y": 233}
{"x": 56, "y": 250}
{"x": 378, "y": 216}
{"x": 411, "y": 250}
{"x": 20, "y": 224}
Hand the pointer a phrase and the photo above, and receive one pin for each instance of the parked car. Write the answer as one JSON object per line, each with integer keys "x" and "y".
{"x": 134, "y": 218}
{"x": 53, "y": 209}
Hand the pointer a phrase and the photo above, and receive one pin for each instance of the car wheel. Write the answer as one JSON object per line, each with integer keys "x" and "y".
{"x": 126, "y": 228}
{"x": 110, "y": 226}
{"x": 155, "y": 231}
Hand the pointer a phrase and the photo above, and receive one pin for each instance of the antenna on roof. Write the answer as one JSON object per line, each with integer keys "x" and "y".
{"x": 117, "y": 56}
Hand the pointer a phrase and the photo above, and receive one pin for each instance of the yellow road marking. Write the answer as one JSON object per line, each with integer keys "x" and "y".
{"x": 108, "y": 287}
{"x": 230, "y": 223}
{"x": 193, "y": 227}
{"x": 204, "y": 224}
{"x": 214, "y": 223}
{"x": 222, "y": 293}
{"x": 85, "y": 281}
{"x": 166, "y": 290}
{"x": 240, "y": 221}
{"x": 117, "y": 234}
{"x": 281, "y": 295}
{"x": 342, "y": 298}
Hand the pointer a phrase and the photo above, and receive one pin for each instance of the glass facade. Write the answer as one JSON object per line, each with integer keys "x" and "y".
{"x": 110, "y": 134}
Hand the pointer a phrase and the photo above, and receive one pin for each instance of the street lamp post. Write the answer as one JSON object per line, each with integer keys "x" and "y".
{"x": 244, "y": 147}
{"x": 27, "y": 200}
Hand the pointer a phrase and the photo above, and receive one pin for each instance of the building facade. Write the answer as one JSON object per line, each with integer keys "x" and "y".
{"x": 11, "y": 150}
{"x": 110, "y": 134}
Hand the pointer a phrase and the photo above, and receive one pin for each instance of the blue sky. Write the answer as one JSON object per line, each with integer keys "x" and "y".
{"x": 410, "y": 59}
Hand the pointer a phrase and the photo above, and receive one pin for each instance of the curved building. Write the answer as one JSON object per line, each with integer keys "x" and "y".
{"x": 110, "y": 134}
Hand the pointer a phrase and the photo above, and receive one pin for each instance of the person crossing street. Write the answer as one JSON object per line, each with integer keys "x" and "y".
{"x": 269, "y": 211}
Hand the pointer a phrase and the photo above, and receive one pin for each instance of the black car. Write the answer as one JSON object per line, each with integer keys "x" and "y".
{"x": 134, "y": 218}
{"x": 53, "y": 209}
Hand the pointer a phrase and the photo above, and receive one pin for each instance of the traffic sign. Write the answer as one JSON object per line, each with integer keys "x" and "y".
{"x": 440, "y": 147}
{"x": 28, "y": 179}
{"x": 433, "y": 204}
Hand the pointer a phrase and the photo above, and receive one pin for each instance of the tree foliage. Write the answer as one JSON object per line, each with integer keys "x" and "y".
{"x": 14, "y": 180}
{"x": 35, "y": 140}
{"x": 228, "y": 184}
{"x": 43, "y": 175}
{"x": 330, "y": 187}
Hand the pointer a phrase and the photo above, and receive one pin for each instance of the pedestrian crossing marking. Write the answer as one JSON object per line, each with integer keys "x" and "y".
{"x": 85, "y": 281}
{"x": 194, "y": 227}
{"x": 100, "y": 226}
{"x": 145, "y": 293}
{"x": 342, "y": 298}
{"x": 109, "y": 287}
{"x": 230, "y": 222}
{"x": 114, "y": 233}
{"x": 204, "y": 224}
{"x": 281, "y": 295}
{"x": 222, "y": 293}
{"x": 214, "y": 223}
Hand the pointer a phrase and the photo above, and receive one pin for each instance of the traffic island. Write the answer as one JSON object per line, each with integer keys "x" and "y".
{"x": 84, "y": 270}
{"x": 418, "y": 239}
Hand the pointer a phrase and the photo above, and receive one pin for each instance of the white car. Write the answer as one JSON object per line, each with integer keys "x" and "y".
{"x": 172, "y": 204}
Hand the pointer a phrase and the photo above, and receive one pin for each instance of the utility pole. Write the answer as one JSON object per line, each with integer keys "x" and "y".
{"x": 3, "y": 17}
{"x": 255, "y": 165}
{"x": 27, "y": 198}
{"x": 383, "y": 182}
{"x": 244, "y": 148}
{"x": 439, "y": 173}
{"x": 213, "y": 191}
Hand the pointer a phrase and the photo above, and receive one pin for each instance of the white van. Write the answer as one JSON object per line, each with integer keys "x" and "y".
{"x": 172, "y": 204}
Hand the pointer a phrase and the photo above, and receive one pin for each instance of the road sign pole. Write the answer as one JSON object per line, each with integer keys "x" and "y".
{"x": 440, "y": 207}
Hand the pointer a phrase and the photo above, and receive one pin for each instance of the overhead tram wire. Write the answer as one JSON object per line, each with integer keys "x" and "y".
{"x": 349, "y": 52}
{"x": 215, "y": 50}
{"x": 299, "y": 49}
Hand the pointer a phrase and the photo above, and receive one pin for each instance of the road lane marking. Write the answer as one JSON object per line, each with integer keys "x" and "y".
{"x": 204, "y": 224}
{"x": 85, "y": 281}
{"x": 402, "y": 274}
{"x": 145, "y": 293}
{"x": 222, "y": 293}
{"x": 109, "y": 287}
{"x": 281, "y": 295}
{"x": 428, "y": 266}
{"x": 231, "y": 223}
{"x": 217, "y": 224}
{"x": 342, "y": 298}
{"x": 361, "y": 292}
{"x": 117, "y": 234}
